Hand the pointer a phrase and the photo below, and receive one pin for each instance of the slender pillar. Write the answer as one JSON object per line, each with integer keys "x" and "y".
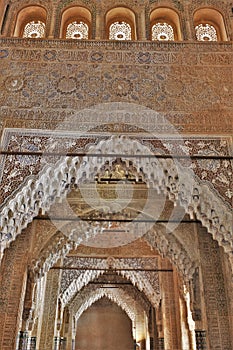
{"x": 66, "y": 331}
{"x": 185, "y": 330}
{"x": 153, "y": 332}
{"x": 38, "y": 311}
{"x": 154, "y": 335}
{"x": 22, "y": 340}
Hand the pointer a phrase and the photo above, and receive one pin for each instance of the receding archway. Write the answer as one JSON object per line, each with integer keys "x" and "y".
{"x": 104, "y": 326}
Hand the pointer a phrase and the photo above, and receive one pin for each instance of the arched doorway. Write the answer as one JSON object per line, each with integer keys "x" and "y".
{"x": 104, "y": 326}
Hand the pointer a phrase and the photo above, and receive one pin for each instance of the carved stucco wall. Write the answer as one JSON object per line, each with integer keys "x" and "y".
{"x": 46, "y": 84}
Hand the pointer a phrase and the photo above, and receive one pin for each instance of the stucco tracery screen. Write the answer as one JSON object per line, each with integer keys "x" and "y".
{"x": 120, "y": 31}
{"x": 34, "y": 30}
{"x": 77, "y": 30}
{"x": 206, "y": 32}
{"x": 162, "y": 31}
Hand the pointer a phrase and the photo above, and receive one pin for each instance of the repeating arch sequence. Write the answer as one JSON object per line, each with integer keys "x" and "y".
{"x": 165, "y": 175}
{"x": 57, "y": 248}
{"x": 166, "y": 244}
{"x": 170, "y": 14}
{"x": 118, "y": 296}
{"x": 137, "y": 279}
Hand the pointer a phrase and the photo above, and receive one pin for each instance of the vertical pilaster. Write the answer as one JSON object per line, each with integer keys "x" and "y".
{"x": 187, "y": 22}
{"x": 218, "y": 328}
{"x": 48, "y": 328}
{"x": 142, "y": 24}
{"x": 100, "y": 29}
{"x": 51, "y": 25}
{"x": 13, "y": 279}
{"x": 170, "y": 310}
{"x": 154, "y": 344}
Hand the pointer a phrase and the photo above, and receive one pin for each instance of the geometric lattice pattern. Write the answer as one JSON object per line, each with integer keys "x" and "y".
{"x": 162, "y": 31}
{"x": 206, "y": 32}
{"x": 34, "y": 30}
{"x": 120, "y": 31}
{"x": 200, "y": 340}
{"x": 77, "y": 30}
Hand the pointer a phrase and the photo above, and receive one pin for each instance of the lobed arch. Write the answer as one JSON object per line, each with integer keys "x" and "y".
{"x": 169, "y": 16}
{"x": 56, "y": 248}
{"x": 123, "y": 299}
{"x": 91, "y": 294}
{"x": 165, "y": 175}
{"x": 213, "y": 17}
{"x": 75, "y": 13}
{"x": 97, "y": 296}
{"x": 121, "y": 14}
{"x": 167, "y": 245}
{"x": 28, "y": 14}
{"x": 120, "y": 297}
{"x": 137, "y": 279}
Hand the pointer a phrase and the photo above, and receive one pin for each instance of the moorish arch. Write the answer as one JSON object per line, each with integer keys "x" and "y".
{"x": 83, "y": 300}
{"x": 139, "y": 279}
{"x": 122, "y": 298}
{"x": 165, "y": 175}
{"x": 59, "y": 245}
{"x": 169, "y": 99}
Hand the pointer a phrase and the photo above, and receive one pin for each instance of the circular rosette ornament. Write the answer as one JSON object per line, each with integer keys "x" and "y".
{"x": 14, "y": 83}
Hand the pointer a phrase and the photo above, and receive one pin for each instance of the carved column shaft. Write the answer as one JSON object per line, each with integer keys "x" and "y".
{"x": 52, "y": 25}
{"x": 187, "y": 22}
